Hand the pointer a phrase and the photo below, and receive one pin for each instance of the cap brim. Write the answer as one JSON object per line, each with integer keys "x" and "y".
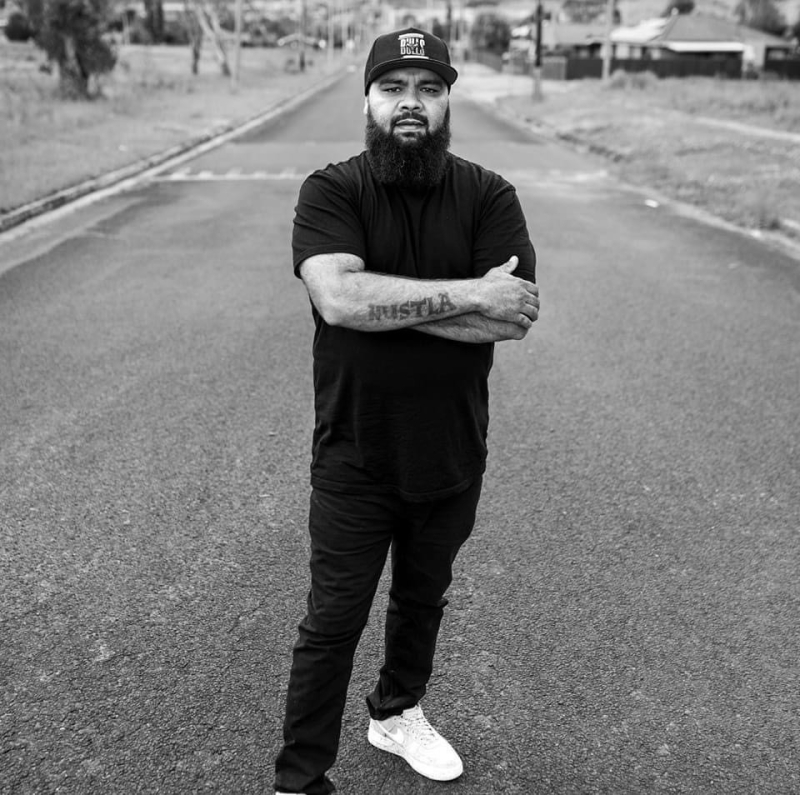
{"x": 446, "y": 72}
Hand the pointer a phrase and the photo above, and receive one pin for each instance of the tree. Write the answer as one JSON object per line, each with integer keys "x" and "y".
{"x": 195, "y": 31}
{"x": 72, "y": 37}
{"x": 34, "y": 13}
{"x": 17, "y": 27}
{"x": 207, "y": 16}
{"x": 154, "y": 19}
{"x": 588, "y": 11}
{"x": 491, "y": 32}
{"x": 795, "y": 30}
{"x": 678, "y": 7}
{"x": 762, "y": 15}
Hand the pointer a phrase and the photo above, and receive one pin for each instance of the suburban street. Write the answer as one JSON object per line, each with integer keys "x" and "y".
{"x": 624, "y": 618}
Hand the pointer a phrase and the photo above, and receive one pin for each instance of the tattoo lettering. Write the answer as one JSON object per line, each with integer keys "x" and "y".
{"x": 425, "y": 307}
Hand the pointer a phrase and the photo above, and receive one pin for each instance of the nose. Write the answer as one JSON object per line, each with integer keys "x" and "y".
{"x": 410, "y": 99}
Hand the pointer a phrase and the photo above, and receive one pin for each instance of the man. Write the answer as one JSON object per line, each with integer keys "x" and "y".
{"x": 416, "y": 262}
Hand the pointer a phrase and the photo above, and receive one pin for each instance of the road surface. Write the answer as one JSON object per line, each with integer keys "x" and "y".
{"x": 624, "y": 619}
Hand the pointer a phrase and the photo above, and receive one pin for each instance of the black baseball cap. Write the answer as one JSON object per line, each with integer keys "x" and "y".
{"x": 409, "y": 47}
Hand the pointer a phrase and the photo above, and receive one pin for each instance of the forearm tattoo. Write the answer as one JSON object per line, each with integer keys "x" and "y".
{"x": 424, "y": 307}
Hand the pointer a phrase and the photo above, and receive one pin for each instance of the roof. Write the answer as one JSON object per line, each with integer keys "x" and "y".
{"x": 704, "y": 46}
{"x": 565, "y": 34}
{"x": 572, "y": 33}
{"x": 645, "y": 31}
{"x": 701, "y": 29}
{"x": 296, "y": 38}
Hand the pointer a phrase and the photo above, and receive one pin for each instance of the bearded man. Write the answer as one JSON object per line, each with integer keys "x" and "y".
{"x": 416, "y": 262}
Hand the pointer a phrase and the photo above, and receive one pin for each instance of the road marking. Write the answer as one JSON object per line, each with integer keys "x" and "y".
{"x": 234, "y": 175}
{"x": 556, "y": 176}
{"x": 539, "y": 177}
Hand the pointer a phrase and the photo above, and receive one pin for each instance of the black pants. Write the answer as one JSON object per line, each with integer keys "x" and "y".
{"x": 350, "y": 538}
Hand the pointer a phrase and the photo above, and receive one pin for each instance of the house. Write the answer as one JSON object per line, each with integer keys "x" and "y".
{"x": 561, "y": 42}
{"x": 574, "y": 39}
{"x": 295, "y": 40}
{"x": 698, "y": 36}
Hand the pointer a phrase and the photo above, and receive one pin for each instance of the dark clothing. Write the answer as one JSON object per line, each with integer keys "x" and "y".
{"x": 350, "y": 538}
{"x": 399, "y": 443}
{"x": 401, "y": 411}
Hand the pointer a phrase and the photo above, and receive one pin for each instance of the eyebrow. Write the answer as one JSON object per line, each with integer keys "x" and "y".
{"x": 400, "y": 81}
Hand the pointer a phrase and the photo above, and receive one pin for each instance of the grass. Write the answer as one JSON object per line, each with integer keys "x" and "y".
{"x": 148, "y": 104}
{"x": 773, "y": 103}
{"x": 654, "y": 129}
{"x": 682, "y": 138}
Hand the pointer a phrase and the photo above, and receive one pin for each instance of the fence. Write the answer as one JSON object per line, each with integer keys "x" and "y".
{"x": 490, "y": 59}
{"x": 579, "y": 68}
{"x": 566, "y": 68}
{"x": 787, "y": 68}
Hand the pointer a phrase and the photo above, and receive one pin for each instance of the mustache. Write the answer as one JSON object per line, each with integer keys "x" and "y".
{"x": 409, "y": 115}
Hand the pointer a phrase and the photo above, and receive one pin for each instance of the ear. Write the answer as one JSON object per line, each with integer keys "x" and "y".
{"x": 366, "y": 106}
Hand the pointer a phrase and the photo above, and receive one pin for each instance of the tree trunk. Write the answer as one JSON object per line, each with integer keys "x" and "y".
{"x": 195, "y": 35}
{"x": 197, "y": 45}
{"x": 209, "y": 22}
{"x": 154, "y": 19}
{"x": 73, "y": 80}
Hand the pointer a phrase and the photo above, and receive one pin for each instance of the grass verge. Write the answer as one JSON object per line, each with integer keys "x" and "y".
{"x": 681, "y": 137}
{"x": 150, "y": 103}
{"x": 689, "y": 139}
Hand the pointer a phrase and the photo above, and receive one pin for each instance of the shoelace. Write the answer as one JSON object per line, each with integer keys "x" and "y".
{"x": 418, "y": 724}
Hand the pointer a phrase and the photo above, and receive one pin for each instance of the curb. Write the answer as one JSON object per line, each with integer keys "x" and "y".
{"x": 154, "y": 163}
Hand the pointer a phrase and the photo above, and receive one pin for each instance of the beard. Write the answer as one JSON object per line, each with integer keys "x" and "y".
{"x": 418, "y": 164}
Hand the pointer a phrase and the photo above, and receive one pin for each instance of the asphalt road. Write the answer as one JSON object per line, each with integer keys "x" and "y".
{"x": 624, "y": 619}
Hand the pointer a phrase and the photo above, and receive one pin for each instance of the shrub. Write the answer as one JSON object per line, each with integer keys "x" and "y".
{"x": 632, "y": 81}
{"x": 176, "y": 31}
{"x": 491, "y": 32}
{"x": 72, "y": 36}
{"x": 18, "y": 28}
{"x": 139, "y": 34}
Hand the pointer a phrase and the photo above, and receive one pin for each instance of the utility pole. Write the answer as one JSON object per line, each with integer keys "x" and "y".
{"x": 302, "y": 42}
{"x": 449, "y": 24}
{"x": 607, "y": 44}
{"x": 537, "y": 64}
{"x": 237, "y": 61}
{"x": 329, "y": 46}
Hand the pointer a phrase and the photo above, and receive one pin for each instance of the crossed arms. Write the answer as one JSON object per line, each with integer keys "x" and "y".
{"x": 498, "y": 306}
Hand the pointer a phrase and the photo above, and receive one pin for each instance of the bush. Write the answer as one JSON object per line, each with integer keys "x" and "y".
{"x": 18, "y": 28}
{"x": 632, "y": 81}
{"x": 176, "y": 31}
{"x": 491, "y": 32}
{"x": 72, "y": 36}
{"x": 139, "y": 34}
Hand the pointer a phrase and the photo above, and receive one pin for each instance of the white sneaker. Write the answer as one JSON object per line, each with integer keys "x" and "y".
{"x": 411, "y": 736}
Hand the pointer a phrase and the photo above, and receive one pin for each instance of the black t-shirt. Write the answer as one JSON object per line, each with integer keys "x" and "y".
{"x": 403, "y": 411}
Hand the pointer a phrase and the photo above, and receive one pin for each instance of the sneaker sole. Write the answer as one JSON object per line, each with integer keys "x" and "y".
{"x": 388, "y": 744}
